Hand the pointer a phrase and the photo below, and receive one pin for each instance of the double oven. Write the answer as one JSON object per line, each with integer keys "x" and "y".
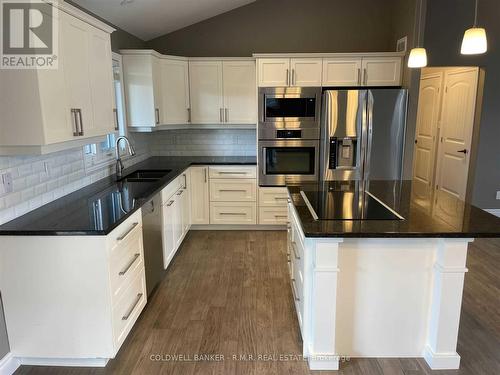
{"x": 289, "y": 134}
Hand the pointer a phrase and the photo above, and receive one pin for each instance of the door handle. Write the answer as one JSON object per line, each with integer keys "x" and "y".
{"x": 464, "y": 151}
{"x": 115, "y": 112}
{"x": 80, "y": 121}
{"x": 74, "y": 112}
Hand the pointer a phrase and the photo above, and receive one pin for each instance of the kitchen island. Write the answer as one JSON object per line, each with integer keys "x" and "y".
{"x": 376, "y": 274}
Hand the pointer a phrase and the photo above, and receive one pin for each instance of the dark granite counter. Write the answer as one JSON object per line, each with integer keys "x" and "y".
{"x": 100, "y": 207}
{"x": 360, "y": 214}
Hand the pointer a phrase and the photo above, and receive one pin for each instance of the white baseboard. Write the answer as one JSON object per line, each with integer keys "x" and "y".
{"x": 493, "y": 211}
{"x": 323, "y": 363}
{"x": 9, "y": 364}
{"x": 441, "y": 361}
{"x": 67, "y": 362}
{"x": 237, "y": 227}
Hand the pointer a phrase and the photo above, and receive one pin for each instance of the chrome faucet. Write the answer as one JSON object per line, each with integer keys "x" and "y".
{"x": 119, "y": 164}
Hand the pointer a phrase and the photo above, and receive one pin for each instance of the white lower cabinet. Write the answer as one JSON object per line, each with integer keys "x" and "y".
{"x": 273, "y": 206}
{"x": 200, "y": 201}
{"x": 233, "y": 213}
{"x": 176, "y": 216}
{"x": 75, "y": 298}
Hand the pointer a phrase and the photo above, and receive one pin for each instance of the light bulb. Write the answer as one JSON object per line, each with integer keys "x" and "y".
{"x": 418, "y": 58}
{"x": 474, "y": 41}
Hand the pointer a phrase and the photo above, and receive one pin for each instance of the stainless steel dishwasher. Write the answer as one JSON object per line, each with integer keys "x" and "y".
{"x": 153, "y": 245}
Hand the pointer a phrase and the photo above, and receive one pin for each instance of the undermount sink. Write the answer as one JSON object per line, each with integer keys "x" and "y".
{"x": 146, "y": 175}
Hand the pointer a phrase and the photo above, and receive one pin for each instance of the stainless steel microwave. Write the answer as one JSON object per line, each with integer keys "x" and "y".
{"x": 288, "y": 108}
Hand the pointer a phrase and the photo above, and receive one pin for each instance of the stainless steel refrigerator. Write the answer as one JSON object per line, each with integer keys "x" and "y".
{"x": 363, "y": 134}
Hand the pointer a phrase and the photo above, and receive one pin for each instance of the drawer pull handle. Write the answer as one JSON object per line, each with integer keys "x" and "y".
{"x": 294, "y": 248}
{"x": 136, "y": 256}
{"x": 278, "y": 216}
{"x": 233, "y": 213}
{"x": 233, "y": 172}
{"x": 123, "y": 236}
{"x": 180, "y": 192}
{"x": 232, "y": 191}
{"x": 294, "y": 291}
{"x": 170, "y": 203}
{"x": 281, "y": 199}
{"x": 127, "y": 315}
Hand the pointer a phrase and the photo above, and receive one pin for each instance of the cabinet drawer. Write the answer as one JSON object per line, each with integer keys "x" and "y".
{"x": 273, "y": 197}
{"x": 128, "y": 308}
{"x": 230, "y": 171}
{"x": 173, "y": 187}
{"x": 236, "y": 190}
{"x": 124, "y": 229}
{"x": 233, "y": 213}
{"x": 273, "y": 215}
{"x": 125, "y": 258}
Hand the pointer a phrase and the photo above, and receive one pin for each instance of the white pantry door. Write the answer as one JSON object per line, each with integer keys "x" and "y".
{"x": 429, "y": 103}
{"x": 457, "y": 121}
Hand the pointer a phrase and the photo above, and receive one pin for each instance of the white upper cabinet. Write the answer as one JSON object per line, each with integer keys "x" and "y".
{"x": 140, "y": 72}
{"x": 51, "y": 110}
{"x": 156, "y": 70}
{"x": 205, "y": 85}
{"x": 341, "y": 72}
{"x": 289, "y": 72}
{"x": 175, "y": 91}
{"x": 306, "y": 72}
{"x": 274, "y": 72}
{"x": 381, "y": 71}
{"x": 239, "y": 92}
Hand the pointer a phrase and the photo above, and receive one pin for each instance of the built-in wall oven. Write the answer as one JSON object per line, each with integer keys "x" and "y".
{"x": 289, "y": 134}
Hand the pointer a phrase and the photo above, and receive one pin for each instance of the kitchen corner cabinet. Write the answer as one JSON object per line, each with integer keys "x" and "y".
{"x": 49, "y": 110}
{"x": 142, "y": 81}
{"x": 299, "y": 72}
{"x": 200, "y": 199}
{"x": 222, "y": 92}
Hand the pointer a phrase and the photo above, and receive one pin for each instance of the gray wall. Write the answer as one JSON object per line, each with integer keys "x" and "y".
{"x": 287, "y": 26}
{"x": 445, "y": 31}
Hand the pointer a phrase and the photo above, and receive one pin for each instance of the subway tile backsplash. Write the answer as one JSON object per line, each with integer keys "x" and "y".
{"x": 38, "y": 180}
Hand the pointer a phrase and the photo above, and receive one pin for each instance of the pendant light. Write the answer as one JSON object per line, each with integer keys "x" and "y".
{"x": 474, "y": 41}
{"x": 418, "y": 55}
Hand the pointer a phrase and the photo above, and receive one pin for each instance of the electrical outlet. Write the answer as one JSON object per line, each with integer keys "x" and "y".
{"x": 6, "y": 183}
{"x": 498, "y": 195}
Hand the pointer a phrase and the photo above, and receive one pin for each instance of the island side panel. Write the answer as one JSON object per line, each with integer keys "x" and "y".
{"x": 447, "y": 291}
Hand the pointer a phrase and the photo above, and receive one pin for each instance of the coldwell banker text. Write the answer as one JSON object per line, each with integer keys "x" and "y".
{"x": 29, "y": 34}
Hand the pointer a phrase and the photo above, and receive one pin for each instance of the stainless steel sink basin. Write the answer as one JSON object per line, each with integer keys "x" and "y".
{"x": 146, "y": 175}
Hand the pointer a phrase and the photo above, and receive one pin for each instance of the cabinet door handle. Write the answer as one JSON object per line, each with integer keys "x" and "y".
{"x": 278, "y": 216}
{"x": 221, "y": 114}
{"x": 123, "y": 236}
{"x": 75, "y": 120}
{"x": 115, "y": 112}
{"x": 205, "y": 170}
{"x": 233, "y": 213}
{"x": 180, "y": 192}
{"x": 287, "y": 77}
{"x": 185, "y": 181}
{"x": 157, "y": 116}
{"x": 232, "y": 172}
{"x": 366, "y": 76}
{"x": 294, "y": 291}
{"x": 293, "y": 77}
{"x": 233, "y": 190}
{"x": 136, "y": 256}
{"x": 189, "y": 114}
{"x": 294, "y": 248}
{"x": 359, "y": 76}
{"x": 170, "y": 203}
{"x": 127, "y": 315}
{"x": 80, "y": 121}
{"x": 227, "y": 114}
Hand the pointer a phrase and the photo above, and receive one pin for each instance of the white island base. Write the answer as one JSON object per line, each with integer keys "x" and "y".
{"x": 390, "y": 297}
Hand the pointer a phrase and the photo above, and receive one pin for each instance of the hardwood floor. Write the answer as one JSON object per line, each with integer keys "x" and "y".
{"x": 227, "y": 293}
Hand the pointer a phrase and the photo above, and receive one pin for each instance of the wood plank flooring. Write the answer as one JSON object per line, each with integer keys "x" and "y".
{"x": 228, "y": 293}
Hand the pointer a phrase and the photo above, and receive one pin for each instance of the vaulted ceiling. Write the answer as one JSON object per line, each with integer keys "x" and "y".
{"x": 148, "y": 19}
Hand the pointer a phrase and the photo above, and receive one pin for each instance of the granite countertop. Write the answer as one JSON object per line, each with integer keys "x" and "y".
{"x": 445, "y": 217}
{"x": 99, "y": 208}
